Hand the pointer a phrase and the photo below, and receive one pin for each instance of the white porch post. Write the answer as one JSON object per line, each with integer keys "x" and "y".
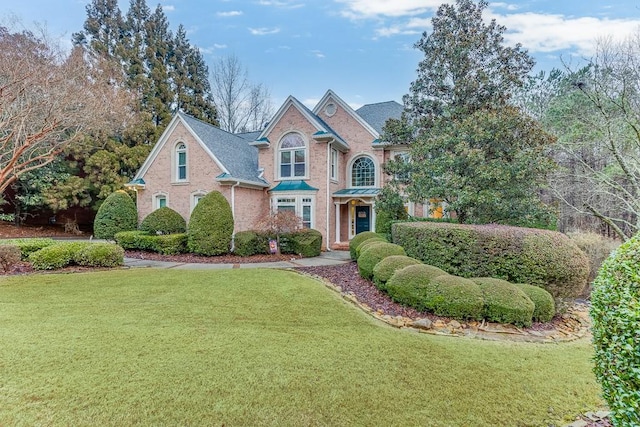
{"x": 337, "y": 222}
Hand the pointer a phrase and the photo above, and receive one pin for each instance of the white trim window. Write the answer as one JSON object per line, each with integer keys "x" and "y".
{"x": 195, "y": 198}
{"x": 292, "y": 157}
{"x": 363, "y": 172}
{"x": 301, "y": 205}
{"x": 159, "y": 201}
{"x": 334, "y": 164}
{"x": 181, "y": 162}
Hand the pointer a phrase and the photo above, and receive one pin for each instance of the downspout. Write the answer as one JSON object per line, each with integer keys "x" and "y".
{"x": 328, "y": 195}
{"x": 233, "y": 213}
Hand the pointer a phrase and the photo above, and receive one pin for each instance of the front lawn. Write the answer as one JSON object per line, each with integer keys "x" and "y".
{"x": 257, "y": 347}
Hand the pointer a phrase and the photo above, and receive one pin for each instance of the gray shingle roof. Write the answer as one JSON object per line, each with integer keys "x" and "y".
{"x": 377, "y": 114}
{"x": 233, "y": 151}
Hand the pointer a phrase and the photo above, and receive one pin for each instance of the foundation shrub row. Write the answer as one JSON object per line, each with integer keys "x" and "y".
{"x": 88, "y": 254}
{"x": 429, "y": 288}
{"x": 307, "y": 243}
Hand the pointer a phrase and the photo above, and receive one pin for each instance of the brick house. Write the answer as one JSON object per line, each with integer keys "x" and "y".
{"x": 324, "y": 164}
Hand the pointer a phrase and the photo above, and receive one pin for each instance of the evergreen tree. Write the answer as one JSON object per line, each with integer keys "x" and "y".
{"x": 467, "y": 146}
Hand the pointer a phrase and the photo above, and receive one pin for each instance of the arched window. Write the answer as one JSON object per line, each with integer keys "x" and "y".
{"x": 363, "y": 172}
{"x": 181, "y": 162}
{"x": 292, "y": 156}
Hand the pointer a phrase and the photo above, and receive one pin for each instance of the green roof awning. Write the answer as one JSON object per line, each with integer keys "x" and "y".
{"x": 349, "y": 192}
{"x": 296, "y": 185}
{"x": 136, "y": 183}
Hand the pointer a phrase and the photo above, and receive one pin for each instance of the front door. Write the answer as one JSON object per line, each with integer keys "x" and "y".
{"x": 363, "y": 218}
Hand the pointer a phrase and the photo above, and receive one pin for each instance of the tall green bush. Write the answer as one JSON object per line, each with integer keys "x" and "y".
{"x": 519, "y": 255}
{"x": 117, "y": 213}
{"x": 211, "y": 226}
{"x": 615, "y": 310}
{"x": 163, "y": 221}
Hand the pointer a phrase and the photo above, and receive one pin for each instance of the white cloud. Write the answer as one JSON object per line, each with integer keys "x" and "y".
{"x": 364, "y": 9}
{"x": 263, "y": 31}
{"x": 211, "y": 49}
{"x": 318, "y": 54}
{"x": 229, "y": 14}
{"x": 550, "y": 32}
{"x": 281, "y": 4}
{"x": 169, "y": 8}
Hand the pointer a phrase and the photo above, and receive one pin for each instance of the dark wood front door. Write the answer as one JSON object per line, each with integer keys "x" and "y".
{"x": 363, "y": 218}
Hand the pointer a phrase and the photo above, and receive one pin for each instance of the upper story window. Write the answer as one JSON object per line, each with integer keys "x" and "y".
{"x": 363, "y": 172}
{"x": 334, "y": 164}
{"x": 181, "y": 162}
{"x": 403, "y": 159}
{"x": 292, "y": 156}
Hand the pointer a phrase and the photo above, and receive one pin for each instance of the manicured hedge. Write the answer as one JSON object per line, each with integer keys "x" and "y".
{"x": 62, "y": 254}
{"x": 117, "y": 213}
{"x": 425, "y": 288}
{"x": 166, "y": 244}
{"x": 362, "y": 246}
{"x": 375, "y": 253}
{"x": 615, "y": 310}
{"x": 163, "y": 221}
{"x": 210, "y": 226}
{"x": 545, "y": 306}
{"x": 27, "y": 246}
{"x": 307, "y": 242}
{"x": 505, "y": 302}
{"x": 519, "y": 255}
{"x": 383, "y": 270}
{"x": 359, "y": 238}
{"x": 247, "y": 243}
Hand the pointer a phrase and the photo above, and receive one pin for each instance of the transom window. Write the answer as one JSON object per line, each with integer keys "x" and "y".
{"x": 363, "y": 172}
{"x": 293, "y": 155}
{"x": 181, "y": 162}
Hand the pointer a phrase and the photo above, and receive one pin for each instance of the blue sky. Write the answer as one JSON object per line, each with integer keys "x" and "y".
{"x": 361, "y": 49}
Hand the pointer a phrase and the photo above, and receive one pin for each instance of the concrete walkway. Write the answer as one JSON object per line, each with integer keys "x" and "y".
{"x": 325, "y": 258}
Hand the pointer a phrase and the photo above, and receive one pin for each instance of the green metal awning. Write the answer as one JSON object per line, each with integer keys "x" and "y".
{"x": 136, "y": 184}
{"x": 350, "y": 192}
{"x": 295, "y": 185}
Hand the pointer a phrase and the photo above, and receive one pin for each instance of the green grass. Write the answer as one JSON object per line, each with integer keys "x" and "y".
{"x": 257, "y": 347}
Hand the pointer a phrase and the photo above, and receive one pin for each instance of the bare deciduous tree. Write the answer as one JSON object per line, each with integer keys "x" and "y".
{"x": 50, "y": 99}
{"x": 241, "y": 105}
{"x": 598, "y": 124}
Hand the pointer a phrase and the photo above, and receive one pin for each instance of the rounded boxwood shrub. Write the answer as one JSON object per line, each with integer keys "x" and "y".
{"x": 211, "y": 226}
{"x": 545, "y": 306}
{"x": 163, "y": 221}
{"x": 368, "y": 242}
{"x": 56, "y": 256}
{"x": 359, "y": 238}
{"x": 375, "y": 253}
{"x": 307, "y": 242}
{"x": 615, "y": 310}
{"x": 29, "y": 245}
{"x": 383, "y": 271}
{"x": 456, "y": 297}
{"x": 117, "y": 213}
{"x": 505, "y": 302}
{"x": 410, "y": 285}
{"x": 100, "y": 255}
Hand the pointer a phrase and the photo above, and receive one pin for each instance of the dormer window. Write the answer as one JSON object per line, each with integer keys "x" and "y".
{"x": 292, "y": 156}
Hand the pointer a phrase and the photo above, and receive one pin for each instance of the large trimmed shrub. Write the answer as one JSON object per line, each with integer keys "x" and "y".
{"x": 100, "y": 255}
{"x": 307, "y": 242}
{"x": 210, "y": 226}
{"x": 505, "y": 302}
{"x": 383, "y": 270}
{"x": 163, "y": 221}
{"x": 615, "y": 310}
{"x": 545, "y": 306}
{"x": 117, "y": 213}
{"x": 410, "y": 285}
{"x": 375, "y": 253}
{"x": 359, "y": 238}
{"x": 56, "y": 256}
{"x": 519, "y": 255}
{"x": 166, "y": 244}
{"x": 425, "y": 288}
{"x": 28, "y": 246}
